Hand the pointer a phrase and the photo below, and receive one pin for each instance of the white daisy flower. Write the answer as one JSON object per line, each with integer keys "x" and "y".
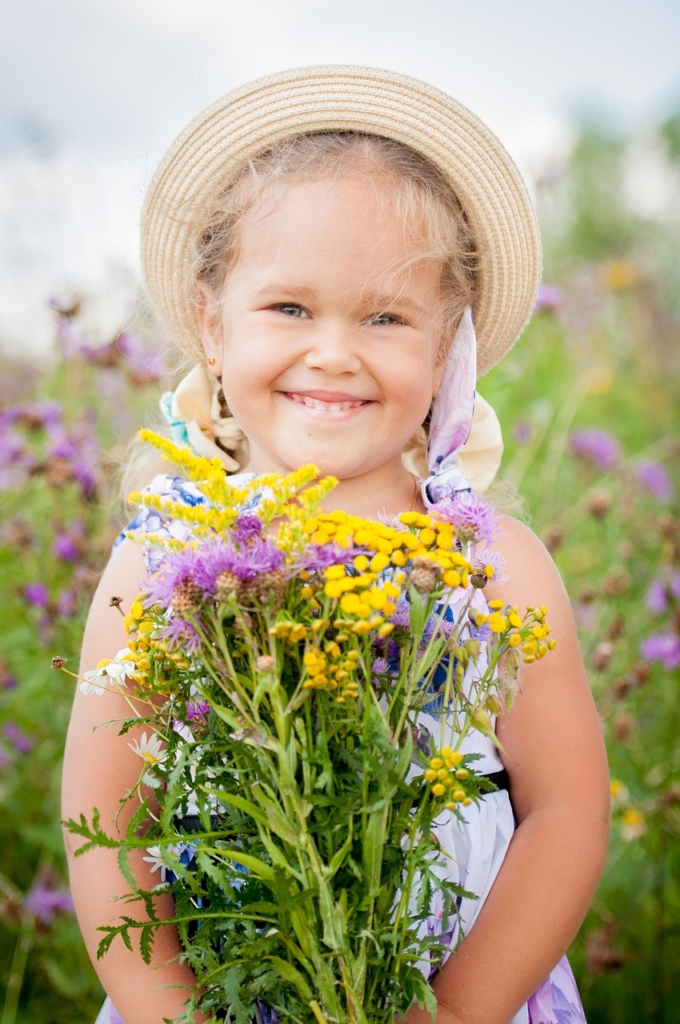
{"x": 155, "y": 860}
{"x": 149, "y": 748}
{"x": 108, "y": 669}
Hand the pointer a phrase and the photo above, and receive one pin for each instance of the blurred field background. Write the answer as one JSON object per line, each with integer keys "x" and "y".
{"x": 589, "y": 401}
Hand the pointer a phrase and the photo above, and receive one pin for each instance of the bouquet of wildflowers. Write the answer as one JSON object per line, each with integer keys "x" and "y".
{"x": 285, "y": 656}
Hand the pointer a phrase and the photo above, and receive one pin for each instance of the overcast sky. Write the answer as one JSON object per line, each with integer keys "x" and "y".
{"x": 93, "y": 91}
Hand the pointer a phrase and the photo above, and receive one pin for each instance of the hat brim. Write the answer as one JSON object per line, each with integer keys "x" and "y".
{"x": 219, "y": 141}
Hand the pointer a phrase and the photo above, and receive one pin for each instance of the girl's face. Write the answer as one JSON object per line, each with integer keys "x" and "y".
{"x": 326, "y": 340}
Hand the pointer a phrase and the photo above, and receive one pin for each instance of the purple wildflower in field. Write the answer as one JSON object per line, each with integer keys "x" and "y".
{"x": 78, "y": 446}
{"x": 67, "y": 604}
{"x": 64, "y": 547}
{"x": 549, "y": 298}
{"x": 675, "y": 586}
{"x": 657, "y": 598}
{"x": 468, "y": 514}
{"x": 144, "y": 364}
{"x": 598, "y": 447}
{"x": 8, "y": 681}
{"x": 32, "y": 414}
{"x": 46, "y": 903}
{"x": 655, "y": 480}
{"x": 19, "y": 739}
{"x": 16, "y": 460}
{"x": 521, "y": 431}
{"x": 663, "y": 647}
{"x": 36, "y": 594}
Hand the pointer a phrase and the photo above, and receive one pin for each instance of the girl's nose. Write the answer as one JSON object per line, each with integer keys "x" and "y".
{"x": 334, "y": 352}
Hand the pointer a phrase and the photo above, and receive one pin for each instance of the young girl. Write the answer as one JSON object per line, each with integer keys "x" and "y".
{"x": 320, "y": 243}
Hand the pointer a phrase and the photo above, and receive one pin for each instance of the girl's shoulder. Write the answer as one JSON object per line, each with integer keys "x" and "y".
{"x": 530, "y": 576}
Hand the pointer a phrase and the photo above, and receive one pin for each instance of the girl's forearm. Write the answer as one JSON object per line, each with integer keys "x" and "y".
{"x": 142, "y": 994}
{"x": 529, "y": 919}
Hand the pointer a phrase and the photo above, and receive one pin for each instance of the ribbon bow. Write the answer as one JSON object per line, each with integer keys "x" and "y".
{"x": 465, "y": 443}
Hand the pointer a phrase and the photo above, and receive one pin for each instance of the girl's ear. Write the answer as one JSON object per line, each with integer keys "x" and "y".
{"x": 209, "y": 327}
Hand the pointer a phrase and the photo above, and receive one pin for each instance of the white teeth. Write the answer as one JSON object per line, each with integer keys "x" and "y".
{"x": 313, "y": 403}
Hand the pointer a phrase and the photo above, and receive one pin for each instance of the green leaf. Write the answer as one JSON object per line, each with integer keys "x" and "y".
{"x": 240, "y": 802}
{"x": 256, "y": 866}
{"x": 291, "y": 974}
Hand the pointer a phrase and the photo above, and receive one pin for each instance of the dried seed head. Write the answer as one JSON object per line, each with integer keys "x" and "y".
{"x": 554, "y": 538}
{"x": 265, "y": 663}
{"x": 599, "y": 504}
{"x": 423, "y": 575}
{"x": 58, "y": 662}
{"x": 602, "y": 655}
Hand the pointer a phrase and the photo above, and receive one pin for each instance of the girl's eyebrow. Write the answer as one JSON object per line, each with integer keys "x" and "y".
{"x": 287, "y": 288}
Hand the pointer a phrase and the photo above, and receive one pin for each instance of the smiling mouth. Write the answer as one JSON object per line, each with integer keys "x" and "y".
{"x": 324, "y": 405}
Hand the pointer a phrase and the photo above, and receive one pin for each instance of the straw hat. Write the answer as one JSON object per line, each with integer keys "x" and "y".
{"x": 216, "y": 145}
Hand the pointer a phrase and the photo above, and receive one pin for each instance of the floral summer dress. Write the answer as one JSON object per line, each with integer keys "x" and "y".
{"x": 475, "y": 848}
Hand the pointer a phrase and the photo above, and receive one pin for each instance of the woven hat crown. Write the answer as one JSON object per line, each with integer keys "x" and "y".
{"x": 217, "y": 144}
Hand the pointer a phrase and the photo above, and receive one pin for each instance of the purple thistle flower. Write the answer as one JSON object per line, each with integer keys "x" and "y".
{"x": 198, "y": 711}
{"x": 5, "y": 759}
{"x": 657, "y": 598}
{"x": 176, "y": 568}
{"x": 245, "y": 528}
{"x": 318, "y": 557}
{"x": 655, "y": 479}
{"x": 663, "y": 647}
{"x": 598, "y": 447}
{"x": 470, "y": 517}
{"x": 20, "y": 740}
{"x": 36, "y": 594}
{"x": 217, "y": 557}
{"x": 402, "y": 616}
{"x": 181, "y": 634}
{"x": 549, "y": 298}
{"x": 379, "y": 667}
{"x": 46, "y": 903}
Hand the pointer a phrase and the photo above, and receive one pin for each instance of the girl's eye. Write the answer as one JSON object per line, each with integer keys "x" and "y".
{"x": 290, "y": 309}
{"x": 385, "y": 320}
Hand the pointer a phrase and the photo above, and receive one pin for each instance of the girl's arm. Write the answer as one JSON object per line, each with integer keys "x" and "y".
{"x": 99, "y": 768}
{"x": 555, "y": 757}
